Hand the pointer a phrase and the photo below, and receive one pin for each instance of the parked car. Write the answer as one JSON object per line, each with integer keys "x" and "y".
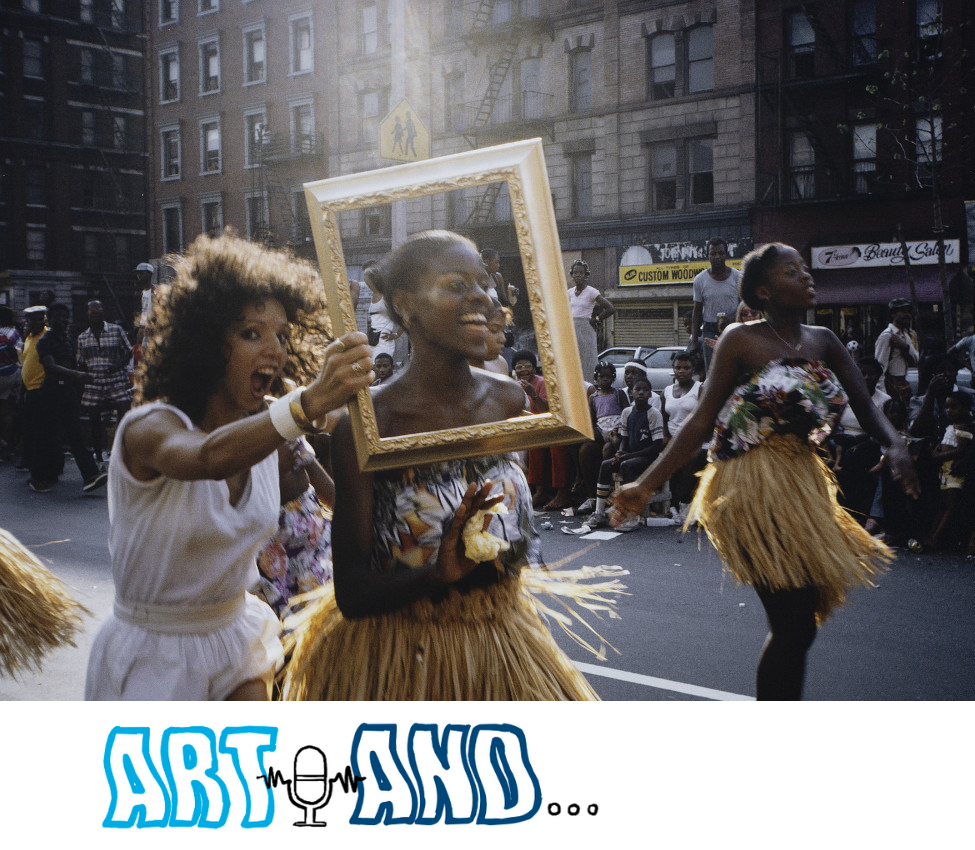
{"x": 619, "y": 355}
{"x": 659, "y": 362}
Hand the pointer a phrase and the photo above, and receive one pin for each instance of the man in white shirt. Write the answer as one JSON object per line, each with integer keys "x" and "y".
{"x": 896, "y": 350}
{"x": 715, "y": 295}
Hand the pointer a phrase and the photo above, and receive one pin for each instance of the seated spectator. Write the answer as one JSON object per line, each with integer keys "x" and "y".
{"x": 679, "y": 401}
{"x": 642, "y": 438}
{"x": 638, "y": 369}
{"x": 953, "y": 455}
{"x": 606, "y": 405}
{"x": 549, "y": 470}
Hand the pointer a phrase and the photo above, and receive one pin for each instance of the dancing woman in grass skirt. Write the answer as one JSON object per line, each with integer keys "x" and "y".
{"x": 766, "y": 499}
{"x": 438, "y": 582}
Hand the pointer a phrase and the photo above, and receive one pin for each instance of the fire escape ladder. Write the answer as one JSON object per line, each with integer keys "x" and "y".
{"x": 481, "y": 213}
{"x": 482, "y": 14}
{"x": 277, "y": 196}
{"x": 499, "y": 70}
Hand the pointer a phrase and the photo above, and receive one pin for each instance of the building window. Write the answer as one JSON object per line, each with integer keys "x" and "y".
{"x": 302, "y": 54}
{"x": 700, "y": 171}
{"x": 33, "y": 58}
{"x": 582, "y": 185}
{"x": 663, "y": 66}
{"x": 802, "y": 46}
{"x": 90, "y": 251}
{"x": 700, "y": 59}
{"x": 376, "y": 221}
{"x": 120, "y": 78}
{"x": 119, "y": 19}
{"x": 454, "y": 108}
{"x": 370, "y": 28}
{"x": 209, "y": 147}
{"x": 86, "y": 69}
{"x": 123, "y": 252}
{"x": 211, "y": 216}
{"x": 863, "y": 32}
{"x": 864, "y": 158}
{"x": 302, "y": 128}
{"x": 171, "y": 153}
{"x": 35, "y": 118}
{"x": 168, "y": 11}
{"x": 257, "y": 218}
{"x": 580, "y": 80}
{"x": 36, "y": 247}
{"x": 501, "y": 13}
{"x": 208, "y": 6}
{"x": 120, "y": 132}
{"x": 802, "y": 166}
{"x": 169, "y": 77}
{"x": 302, "y": 218}
{"x": 927, "y": 146}
{"x": 172, "y": 217}
{"x": 373, "y": 106}
{"x": 254, "y": 58}
{"x": 36, "y": 185}
{"x": 209, "y": 67}
{"x": 255, "y": 126}
{"x": 928, "y": 18}
{"x": 86, "y": 11}
{"x": 88, "y": 128}
{"x": 663, "y": 176}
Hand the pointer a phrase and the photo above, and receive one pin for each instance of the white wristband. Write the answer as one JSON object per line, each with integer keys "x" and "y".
{"x": 281, "y": 418}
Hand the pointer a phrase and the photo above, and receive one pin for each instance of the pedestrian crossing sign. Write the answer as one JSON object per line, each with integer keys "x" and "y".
{"x": 403, "y": 136}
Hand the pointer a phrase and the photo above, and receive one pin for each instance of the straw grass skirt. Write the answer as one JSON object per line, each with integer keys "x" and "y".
{"x": 37, "y": 614}
{"x": 487, "y": 644}
{"x": 773, "y": 516}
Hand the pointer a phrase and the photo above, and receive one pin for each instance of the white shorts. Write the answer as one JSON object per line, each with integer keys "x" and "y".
{"x": 130, "y": 662}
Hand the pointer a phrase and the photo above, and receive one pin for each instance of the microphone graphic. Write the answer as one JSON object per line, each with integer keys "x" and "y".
{"x": 310, "y": 789}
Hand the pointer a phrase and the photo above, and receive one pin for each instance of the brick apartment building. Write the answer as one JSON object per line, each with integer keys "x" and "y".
{"x": 646, "y": 111}
{"x": 72, "y": 153}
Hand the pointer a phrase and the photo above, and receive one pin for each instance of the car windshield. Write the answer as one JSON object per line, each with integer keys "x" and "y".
{"x": 661, "y": 358}
{"x": 617, "y": 356}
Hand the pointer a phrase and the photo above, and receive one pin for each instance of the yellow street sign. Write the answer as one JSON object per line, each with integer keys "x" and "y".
{"x": 403, "y": 136}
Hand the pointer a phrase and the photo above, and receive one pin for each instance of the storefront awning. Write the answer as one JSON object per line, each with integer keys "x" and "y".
{"x": 878, "y": 286}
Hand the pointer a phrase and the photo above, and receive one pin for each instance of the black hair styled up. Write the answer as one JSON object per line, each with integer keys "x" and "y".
{"x": 754, "y": 273}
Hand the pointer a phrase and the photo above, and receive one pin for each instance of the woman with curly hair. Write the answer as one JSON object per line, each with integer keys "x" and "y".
{"x": 588, "y": 308}
{"x": 193, "y": 481}
{"x": 766, "y": 499}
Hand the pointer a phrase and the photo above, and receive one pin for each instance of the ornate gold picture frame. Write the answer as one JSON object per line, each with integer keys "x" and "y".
{"x": 521, "y": 165}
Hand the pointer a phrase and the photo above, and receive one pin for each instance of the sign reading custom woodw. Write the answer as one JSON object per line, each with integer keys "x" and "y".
{"x": 883, "y": 254}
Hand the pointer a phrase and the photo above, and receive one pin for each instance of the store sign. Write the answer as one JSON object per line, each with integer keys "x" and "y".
{"x": 661, "y": 263}
{"x": 883, "y": 254}
{"x": 663, "y": 273}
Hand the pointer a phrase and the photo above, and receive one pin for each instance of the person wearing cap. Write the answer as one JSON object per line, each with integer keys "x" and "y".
{"x": 896, "y": 350}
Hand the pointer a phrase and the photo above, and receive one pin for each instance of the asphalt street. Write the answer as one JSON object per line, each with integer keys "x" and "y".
{"x": 686, "y": 631}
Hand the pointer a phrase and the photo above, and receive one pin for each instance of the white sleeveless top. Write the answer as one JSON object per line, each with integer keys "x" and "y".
{"x": 182, "y": 542}
{"x": 581, "y": 304}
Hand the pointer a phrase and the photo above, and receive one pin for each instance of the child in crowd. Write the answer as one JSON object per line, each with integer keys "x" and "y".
{"x": 383, "y": 367}
{"x": 548, "y": 469}
{"x": 642, "y": 438}
{"x": 679, "y": 401}
{"x": 606, "y": 406}
{"x": 954, "y": 455}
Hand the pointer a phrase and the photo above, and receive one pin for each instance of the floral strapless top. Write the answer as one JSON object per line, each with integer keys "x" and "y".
{"x": 793, "y": 396}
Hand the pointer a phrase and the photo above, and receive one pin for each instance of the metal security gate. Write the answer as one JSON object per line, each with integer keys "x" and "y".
{"x": 650, "y": 326}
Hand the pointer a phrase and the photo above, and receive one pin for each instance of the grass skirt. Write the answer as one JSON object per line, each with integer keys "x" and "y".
{"x": 487, "y": 644}
{"x": 37, "y": 614}
{"x": 773, "y": 516}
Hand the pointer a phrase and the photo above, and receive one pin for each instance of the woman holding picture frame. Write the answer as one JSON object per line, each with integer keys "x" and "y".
{"x": 436, "y": 566}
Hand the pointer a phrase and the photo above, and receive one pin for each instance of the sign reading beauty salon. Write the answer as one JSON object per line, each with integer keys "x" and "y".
{"x": 883, "y": 254}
